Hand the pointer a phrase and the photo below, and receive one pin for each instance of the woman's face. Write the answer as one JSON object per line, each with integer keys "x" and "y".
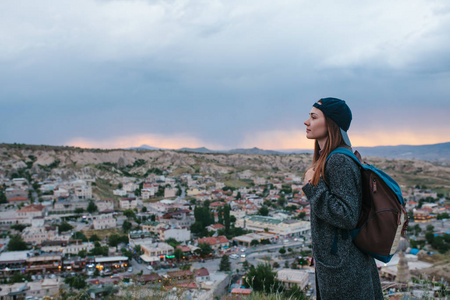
{"x": 316, "y": 127}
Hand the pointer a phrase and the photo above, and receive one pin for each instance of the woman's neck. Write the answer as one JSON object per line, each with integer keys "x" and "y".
{"x": 321, "y": 143}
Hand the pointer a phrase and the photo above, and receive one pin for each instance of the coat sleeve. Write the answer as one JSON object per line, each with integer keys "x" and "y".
{"x": 339, "y": 202}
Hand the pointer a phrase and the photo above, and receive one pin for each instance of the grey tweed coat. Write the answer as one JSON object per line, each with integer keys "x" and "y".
{"x": 342, "y": 271}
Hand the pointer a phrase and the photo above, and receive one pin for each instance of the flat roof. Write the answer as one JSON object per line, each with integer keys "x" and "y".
{"x": 111, "y": 258}
{"x": 15, "y": 255}
{"x": 264, "y": 219}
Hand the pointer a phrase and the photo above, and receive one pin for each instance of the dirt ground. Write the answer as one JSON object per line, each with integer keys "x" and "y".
{"x": 440, "y": 268}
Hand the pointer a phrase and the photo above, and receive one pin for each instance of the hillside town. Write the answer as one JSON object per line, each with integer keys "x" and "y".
{"x": 191, "y": 234}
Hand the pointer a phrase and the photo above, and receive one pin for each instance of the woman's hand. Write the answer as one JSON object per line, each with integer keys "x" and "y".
{"x": 309, "y": 175}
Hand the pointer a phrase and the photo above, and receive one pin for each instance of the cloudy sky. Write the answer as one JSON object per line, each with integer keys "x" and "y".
{"x": 221, "y": 74}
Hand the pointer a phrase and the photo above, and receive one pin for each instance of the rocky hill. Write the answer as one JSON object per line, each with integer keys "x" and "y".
{"x": 70, "y": 161}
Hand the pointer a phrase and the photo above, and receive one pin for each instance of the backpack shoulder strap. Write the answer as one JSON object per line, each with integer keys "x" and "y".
{"x": 346, "y": 152}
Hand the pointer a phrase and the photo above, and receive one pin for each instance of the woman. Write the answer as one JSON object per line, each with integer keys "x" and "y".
{"x": 334, "y": 191}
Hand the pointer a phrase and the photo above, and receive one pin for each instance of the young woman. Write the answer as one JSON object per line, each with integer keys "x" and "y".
{"x": 334, "y": 191}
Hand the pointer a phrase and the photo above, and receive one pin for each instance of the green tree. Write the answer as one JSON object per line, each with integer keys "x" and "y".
{"x": 114, "y": 240}
{"x": 99, "y": 250}
{"x": 138, "y": 250}
{"x": 3, "y": 196}
{"x": 282, "y": 250}
{"x": 262, "y": 279}
{"x": 78, "y": 235}
{"x": 441, "y": 243}
{"x": 173, "y": 242}
{"x": 254, "y": 242}
{"x": 281, "y": 200}
{"x": 16, "y": 243}
{"x": 263, "y": 211}
{"x": 246, "y": 265}
{"x": 94, "y": 238}
{"x": 178, "y": 254}
{"x": 19, "y": 278}
{"x": 77, "y": 282}
{"x": 225, "y": 264}
{"x": 302, "y": 262}
{"x": 79, "y": 210}
{"x": 443, "y": 216}
{"x": 126, "y": 253}
{"x": 226, "y": 218}
{"x": 19, "y": 227}
{"x": 82, "y": 253}
{"x": 429, "y": 236}
{"x": 144, "y": 209}
{"x": 64, "y": 226}
{"x": 129, "y": 213}
{"x": 417, "y": 230}
{"x": 91, "y": 207}
{"x": 205, "y": 249}
{"x": 126, "y": 226}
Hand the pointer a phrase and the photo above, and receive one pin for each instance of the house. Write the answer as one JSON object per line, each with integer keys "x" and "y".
{"x": 15, "y": 193}
{"x": 63, "y": 207}
{"x": 105, "y": 204}
{"x": 18, "y": 200}
{"x": 128, "y": 203}
{"x": 216, "y": 243}
{"x": 177, "y": 233}
{"x": 215, "y": 227}
{"x": 259, "y": 181}
{"x": 241, "y": 291}
{"x": 201, "y": 275}
{"x": 290, "y": 278}
{"x": 155, "y": 251}
{"x": 147, "y": 193}
{"x": 151, "y": 226}
{"x": 170, "y": 192}
{"x": 31, "y": 211}
{"x": 83, "y": 192}
{"x": 149, "y": 278}
{"x": 178, "y": 218}
{"x": 286, "y": 228}
{"x": 104, "y": 221}
{"x": 37, "y": 235}
{"x": 181, "y": 275}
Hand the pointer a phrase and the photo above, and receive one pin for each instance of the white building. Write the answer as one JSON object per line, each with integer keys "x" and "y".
{"x": 286, "y": 228}
{"x": 179, "y": 234}
{"x": 128, "y": 203}
{"x": 170, "y": 192}
{"x": 105, "y": 204}
{"x": 37, "y": 235}
{"x": 104, "y": 221}
{"x": 291, "y": 278}
{"x": 73, "y": 248}
{"x": 147, "y": 193}
{"x": 83, "y": 192}
{"x": 155, "y": 251}
{"x": 121, "y": 193}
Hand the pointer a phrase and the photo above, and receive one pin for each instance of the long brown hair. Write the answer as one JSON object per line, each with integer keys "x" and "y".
{"x": 334, "y": 140}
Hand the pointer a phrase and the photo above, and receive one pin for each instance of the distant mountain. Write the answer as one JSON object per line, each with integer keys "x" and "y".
{"x": 254, "y": 150}
{"x": 436, "y": 152}
{"x": 144, "y": 148}
{"x": 198, "y": 150}
{"x": 439, "y": 153}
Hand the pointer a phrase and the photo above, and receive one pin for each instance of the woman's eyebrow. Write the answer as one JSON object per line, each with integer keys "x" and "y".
{"x": 312, "y": 114}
